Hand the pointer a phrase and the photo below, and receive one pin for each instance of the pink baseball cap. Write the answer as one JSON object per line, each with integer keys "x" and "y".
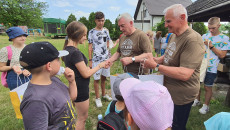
{"x": 149, "y": 103}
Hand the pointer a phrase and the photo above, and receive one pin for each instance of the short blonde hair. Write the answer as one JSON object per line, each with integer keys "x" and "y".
{"x": 214, "y": 20}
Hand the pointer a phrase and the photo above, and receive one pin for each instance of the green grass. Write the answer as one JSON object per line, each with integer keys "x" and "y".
{"x": 8, "y": 120}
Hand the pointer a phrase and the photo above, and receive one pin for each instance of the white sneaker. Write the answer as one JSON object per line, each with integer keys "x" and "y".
{"x": 98, "y": 102}
{"x": 196, "y": 103}
{"x": 107, "y": 97}
{"x": 204, "y": 109}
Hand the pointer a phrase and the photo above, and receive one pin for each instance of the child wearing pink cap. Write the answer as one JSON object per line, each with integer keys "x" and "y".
{"x": 149, "y": 105}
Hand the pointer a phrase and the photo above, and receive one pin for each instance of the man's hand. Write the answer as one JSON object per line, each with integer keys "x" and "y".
{"x": 149, "y": 62}
{"x": 102, "y": 64}
{"x": 206, "y": 43}
{"x": 17, "y": 69}
{"x": 26, "y": 73}
{"x": 159, "y": 60}
{"x": 69, "y": 75}
{"x": 126, "y": 60}
{"x": 108, "y": 63}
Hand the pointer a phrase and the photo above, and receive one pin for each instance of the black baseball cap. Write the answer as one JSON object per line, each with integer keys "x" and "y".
{"x": 39, "y": 53}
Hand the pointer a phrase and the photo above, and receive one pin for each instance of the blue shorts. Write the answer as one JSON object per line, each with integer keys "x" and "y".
{"x": 209, "y": 79}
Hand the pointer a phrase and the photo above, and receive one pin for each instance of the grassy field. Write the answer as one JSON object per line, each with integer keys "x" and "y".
{"x": 8, "y": 120}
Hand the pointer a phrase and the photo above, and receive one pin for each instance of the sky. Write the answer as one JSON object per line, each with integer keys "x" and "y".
{"x": 111, "y": 8}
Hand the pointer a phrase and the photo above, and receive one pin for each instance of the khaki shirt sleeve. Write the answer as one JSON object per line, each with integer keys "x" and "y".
{"x": 144, "y": 43}
{"x": 193, "y": 53}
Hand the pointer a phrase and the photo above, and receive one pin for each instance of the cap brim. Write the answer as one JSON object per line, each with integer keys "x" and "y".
{"x": 63, "y": 53}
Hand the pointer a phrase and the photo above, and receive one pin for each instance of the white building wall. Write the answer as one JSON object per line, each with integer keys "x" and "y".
{"x": 146, "y": 26}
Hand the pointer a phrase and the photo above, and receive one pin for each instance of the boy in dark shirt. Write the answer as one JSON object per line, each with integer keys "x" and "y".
{"x": 47, "y": 102}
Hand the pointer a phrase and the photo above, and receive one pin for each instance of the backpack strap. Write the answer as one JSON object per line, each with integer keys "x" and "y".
{"x": 112, "y": 106}
{"x": 167, "y": 39}
{"x": 112, "y": 109}
{"x": 9, "y": 50}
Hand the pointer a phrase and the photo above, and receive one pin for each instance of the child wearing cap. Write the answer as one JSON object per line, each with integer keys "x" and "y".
{"x": 148, "y": 105}
{"x": 120, "y": 105}
{"x": 47, "y": 102}
{"x": 77, "y": 61}
{"x": 15, "y": 74}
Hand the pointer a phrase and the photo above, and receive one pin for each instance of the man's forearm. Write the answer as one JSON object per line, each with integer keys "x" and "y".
{"x": 114, "y": 57}
{"x": 221, "y": 54}
{"x": 180, "y": 73}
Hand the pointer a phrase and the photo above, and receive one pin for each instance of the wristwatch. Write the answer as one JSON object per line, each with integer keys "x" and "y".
{"x": 133, "y": 59}
{"x": 156, "y": 68}
{"x": 211, "y": 47}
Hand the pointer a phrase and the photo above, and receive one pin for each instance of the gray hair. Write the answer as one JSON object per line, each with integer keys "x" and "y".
{"x": 178, "y": 9}
{"x": 126, "y": 16}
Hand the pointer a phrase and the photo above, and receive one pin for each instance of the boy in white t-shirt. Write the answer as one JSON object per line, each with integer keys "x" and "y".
{"x": 218, "y": 45}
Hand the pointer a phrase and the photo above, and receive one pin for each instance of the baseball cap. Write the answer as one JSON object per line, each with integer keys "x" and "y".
{"x": 39, "y": 53}
{"x": 149, "y": 103}
{"x": 14, "y": 32}
{"x": 118, "y": 80}
{"x": 220, "y": 121}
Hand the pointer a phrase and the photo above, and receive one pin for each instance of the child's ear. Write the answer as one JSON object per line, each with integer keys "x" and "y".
{"x": 130, "y": 119}
{"x": 48, "y": 66}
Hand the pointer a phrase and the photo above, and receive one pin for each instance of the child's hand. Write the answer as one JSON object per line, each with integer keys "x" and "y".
{"x": 26, "y": 73}
{"x": 69, "y": 75}
{"x": 102, "y": 64}
{"x": 17, "y": 69}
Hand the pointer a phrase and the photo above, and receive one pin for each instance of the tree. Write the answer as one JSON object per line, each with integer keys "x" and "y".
{"x": 108, "y": 24}
{"x": 92, "y": 23}
{"x": 161, "y": 27}
{"x": 225, "y": 28}
{"x": 199, "y": 27}
{"x": 22, "y": 12}
{"x": 70, "y": 19}
{"x": 116, "y": 31}
{"x": 84, "y": 21}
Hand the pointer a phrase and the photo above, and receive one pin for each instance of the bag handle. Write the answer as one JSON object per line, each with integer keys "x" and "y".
{"x": 9, "y": 52}
{"x": 18, "y": 77}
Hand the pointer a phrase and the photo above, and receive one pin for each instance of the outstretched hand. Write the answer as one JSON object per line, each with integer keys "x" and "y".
{"x": 108, "y": 63}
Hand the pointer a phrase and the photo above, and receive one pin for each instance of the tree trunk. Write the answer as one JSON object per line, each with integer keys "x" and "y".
{"x": 227, "y": 99}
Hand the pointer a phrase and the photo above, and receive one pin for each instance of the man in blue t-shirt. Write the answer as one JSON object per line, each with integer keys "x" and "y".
{"x": 98, "y": 47}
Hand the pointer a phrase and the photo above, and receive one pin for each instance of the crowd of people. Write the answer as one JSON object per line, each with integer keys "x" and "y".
{"x": 144, "y": 104}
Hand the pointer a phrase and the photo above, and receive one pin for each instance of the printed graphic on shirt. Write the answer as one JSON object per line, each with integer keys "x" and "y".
{"x": 126, "y": 47}
{"x": 99, "y": 40}
{"x": 170, "y": 50}
{"x": 220, "y": 42}
{"x": 67, "y": 120}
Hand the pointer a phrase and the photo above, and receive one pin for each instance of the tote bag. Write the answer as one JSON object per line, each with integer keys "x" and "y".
{"x": 204, "y": 64}
{"x": 16, "y": 96}
{"x": 159, "y": 78}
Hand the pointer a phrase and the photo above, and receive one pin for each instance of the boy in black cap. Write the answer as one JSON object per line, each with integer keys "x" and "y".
{"x": 47, "y": 101}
